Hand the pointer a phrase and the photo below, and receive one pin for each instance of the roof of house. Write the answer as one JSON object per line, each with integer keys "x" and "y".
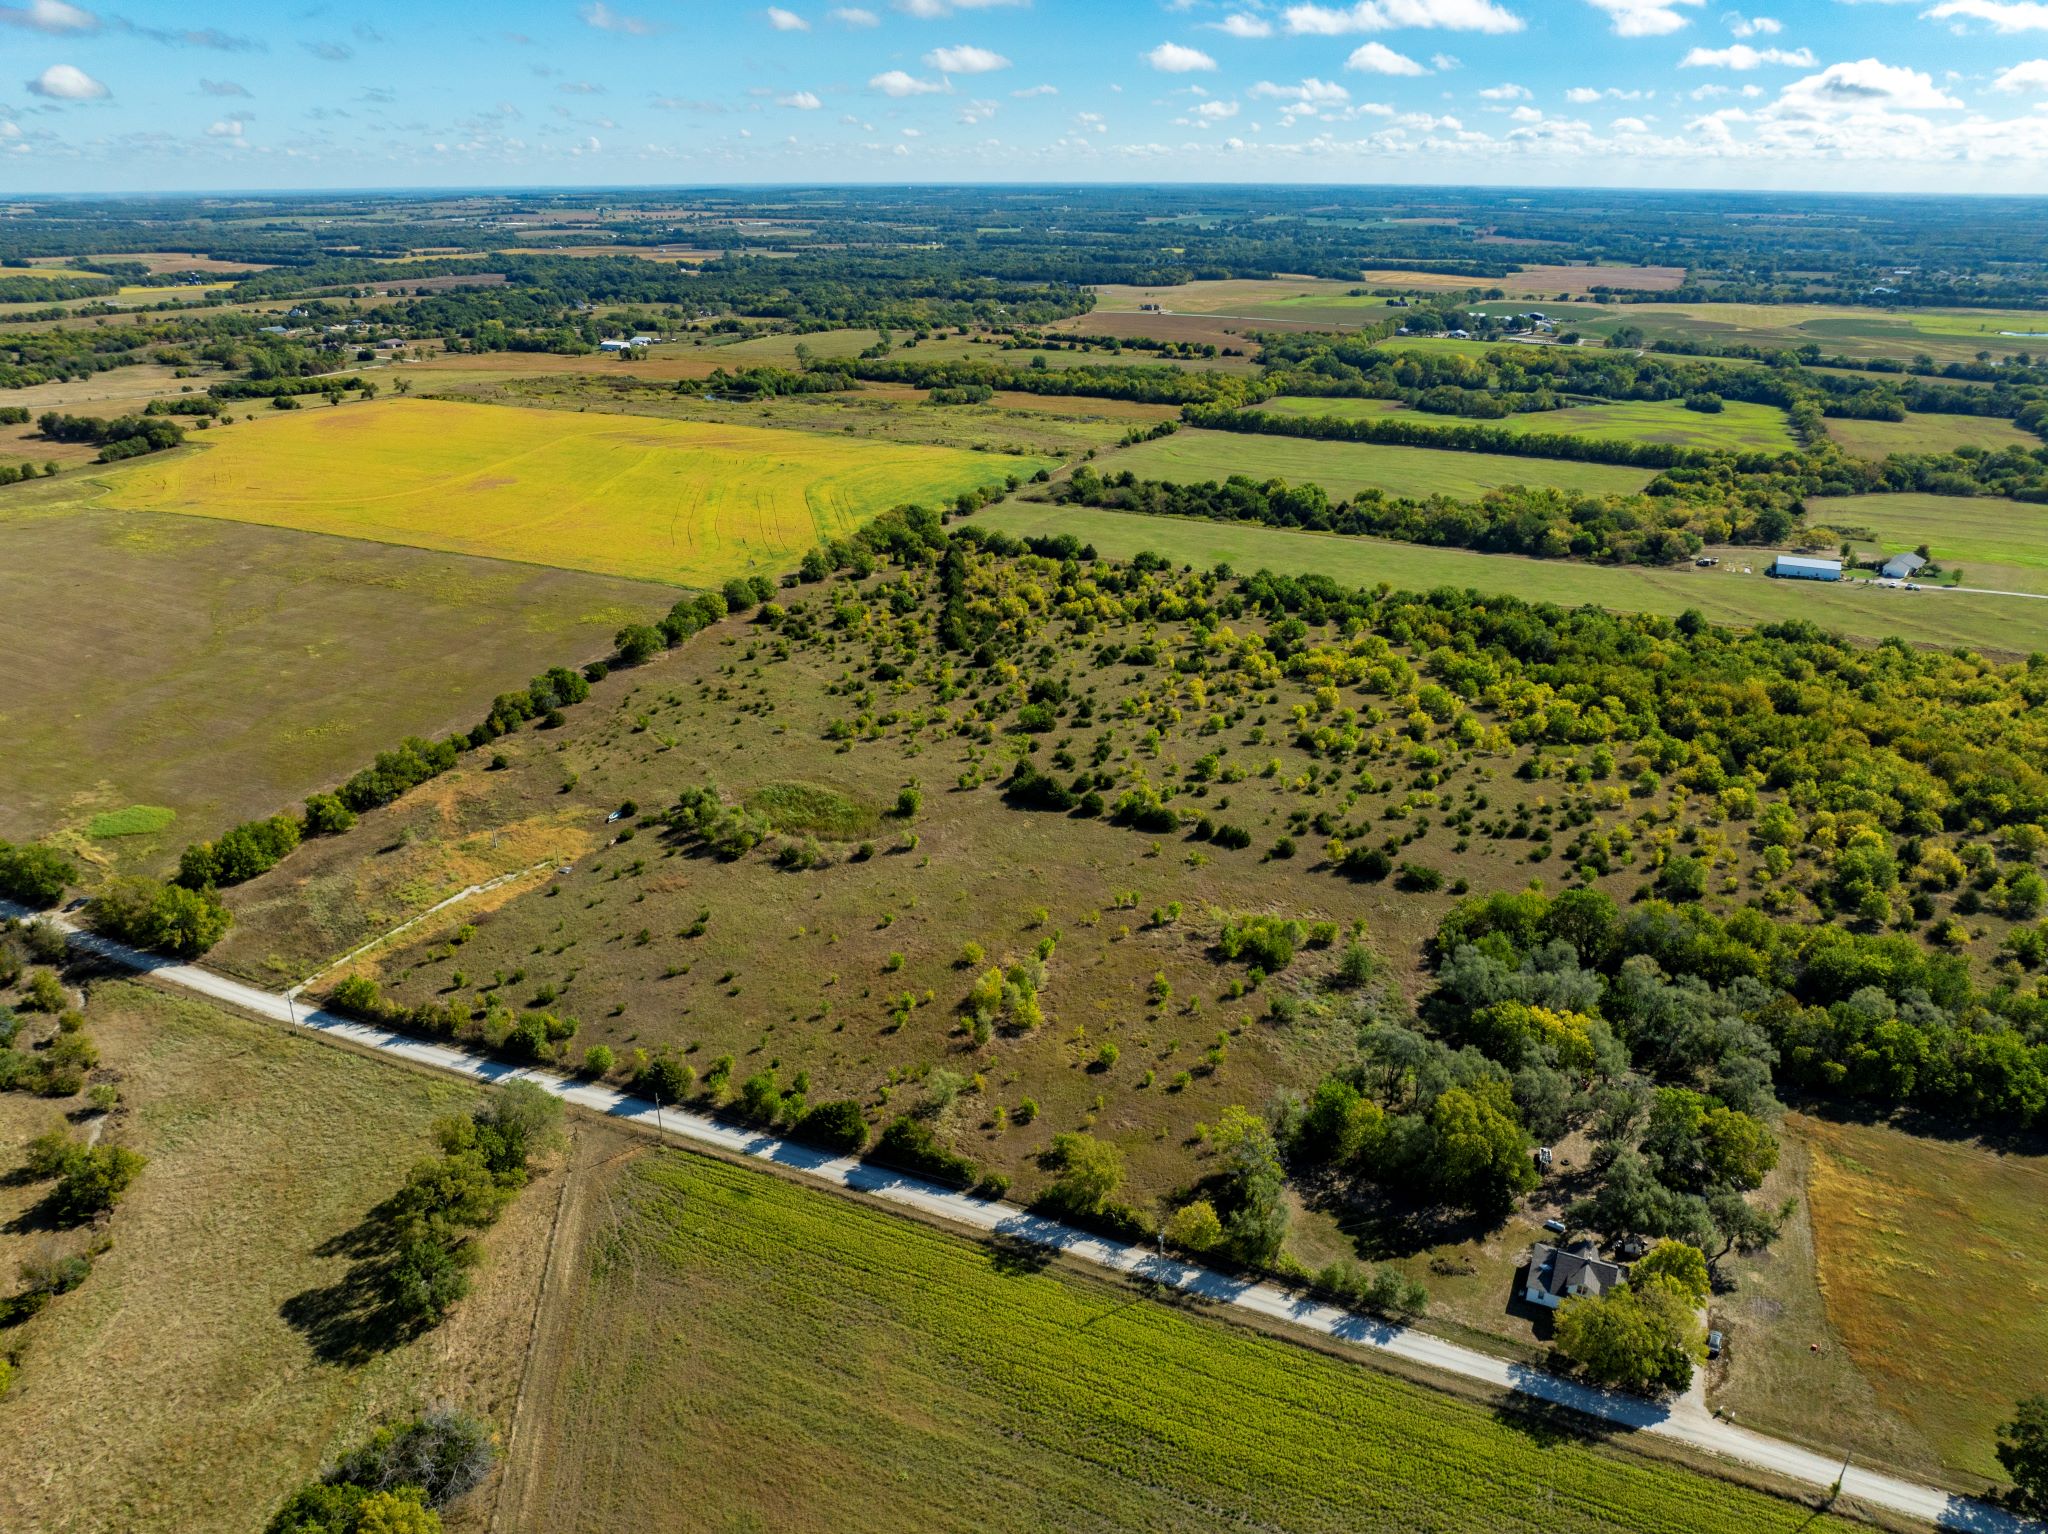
{"x": 1558, "y": 1271}
{"x": 1903, "y": 564}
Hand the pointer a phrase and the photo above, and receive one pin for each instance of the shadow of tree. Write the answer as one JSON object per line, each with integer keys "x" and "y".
{"x": 354, "y": 1319}
{"x": 1548, "y": 1424}
{"x": 1018, "y": 1259}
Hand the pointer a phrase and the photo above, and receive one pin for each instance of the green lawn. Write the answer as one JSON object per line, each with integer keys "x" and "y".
{"x": 2000, "y": 624}
{"x": 1345, "y": 468}
{"x": 1739, "y": 426}
{"x": 799, "y": 1363}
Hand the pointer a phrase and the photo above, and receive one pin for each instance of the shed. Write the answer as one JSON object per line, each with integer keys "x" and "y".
{"x": 1557, "y": 1274}
{"x": 1902, "y": 567}
{"x": 1796, "y": 567}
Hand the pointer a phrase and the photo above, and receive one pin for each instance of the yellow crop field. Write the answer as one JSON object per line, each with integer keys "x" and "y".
{"x": 681, "y": 501}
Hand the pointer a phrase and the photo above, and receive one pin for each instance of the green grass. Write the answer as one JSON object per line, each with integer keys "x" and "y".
{"x": 804, "y": 1363}
{"x": 808, "y": 809}
{"x": 1739, "y": 426}
{"x": 1995, "y": 542}
{"x": 1345, "y": 468}
{"x": 136, "y": 820}
{"x": 1996, "y": 624}
{"x": 1929, "y": 434}
{"x": 686, "y": 502}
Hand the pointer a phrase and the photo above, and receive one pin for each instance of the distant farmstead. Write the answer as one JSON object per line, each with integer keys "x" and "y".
{"x": 1797, "y": 568}
{"x": 1901, "y": 567}
{"x": 1557, "y": 1274}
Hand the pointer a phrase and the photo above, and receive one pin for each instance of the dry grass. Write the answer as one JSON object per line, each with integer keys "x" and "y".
{"x": 1933, "y": 1260}
{"x": 169, "y": 1392}
{"x": 1785, "y": 1371}
{"x": 144, "y": 651}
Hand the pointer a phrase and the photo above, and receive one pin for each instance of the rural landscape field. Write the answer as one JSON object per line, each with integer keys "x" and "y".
{"x": 975, "y": 766}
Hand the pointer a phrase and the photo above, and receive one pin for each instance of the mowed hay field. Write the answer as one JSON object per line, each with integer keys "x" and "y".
{"x": 2000, "y": 625}
{"x": 1929, "y": 434}
{"x": 1738, "y": 425}
{"x": 1933, "y": 1261}
{"x": 1345, "y": 468}
{"x": 169, "y": 1392}
{"x": 677, "y": 501}
{"x": 224, "y": 671}
{"x": 781, "y": 1358}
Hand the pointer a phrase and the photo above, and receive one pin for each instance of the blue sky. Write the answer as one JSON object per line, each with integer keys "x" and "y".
{"x": 1890, "y": 95}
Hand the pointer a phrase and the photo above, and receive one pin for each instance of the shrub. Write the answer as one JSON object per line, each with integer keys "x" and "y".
{"x": 836, "y": 1125}
{"x": 1420, "y": 879}
{"x": 669, "y": 1078}
{"x": 443, "y": 1452}
{"x": 166, "y": 918}
{"x": 326, "y": 815}
{"x": 34, "y": 876}
{"x": 911, "y": 1146}
{"x": 1195, "y": 1227}
{"x": 1267, "y": 941}
{"x": 252, "y": 848}
{"x": 1368, "y": 864}
{"x": 598, "y": 1060}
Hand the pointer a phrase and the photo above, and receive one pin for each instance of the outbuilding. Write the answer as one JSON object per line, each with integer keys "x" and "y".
{"x": 1799, "y": 568}
{"x": 1902, "y": 567}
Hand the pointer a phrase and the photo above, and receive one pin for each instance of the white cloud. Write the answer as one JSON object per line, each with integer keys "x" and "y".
{"x": 1630, "y": 125}
{"x": 66, "y": 82}
{"x": 1216, "y": 111}
{"x": 1175, "y": 59}
{"x": 895, "y": 82}
{"x": 605, "y": 19}
{"x": 1754, "y": 26}
{"x": 1311, "y": 92}
{"x": 1867, "y": 85}
{"x": 49, "y": 16}
{"x": 227, "y": 127}
{"x": 1379, "y": 59}
{"x": 966, "y": 60}
{"x": 1508, "y": 92}
{"x": 1742, "y": 56}
{"x": 1030, "y": 91}
{"x": 1999, "y": 15}
{"x": 1385, "y": 15}
{"x": 1241, "y": 25}
{"x": 2030, "y": 76}
{"x": 976, "y": 112}
{"x": 786, "y": 21}
{"x": 1644, "y": 18}
{"x": 855, "y": 16}
{"x": 803, "y": 101}
{"x": 931, "y": 10}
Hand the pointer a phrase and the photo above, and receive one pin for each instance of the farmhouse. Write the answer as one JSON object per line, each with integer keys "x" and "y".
{"x": 1901, "y": 567}
{"x": 1794, "y": 567}
{"x": 1556, "y": 1275}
